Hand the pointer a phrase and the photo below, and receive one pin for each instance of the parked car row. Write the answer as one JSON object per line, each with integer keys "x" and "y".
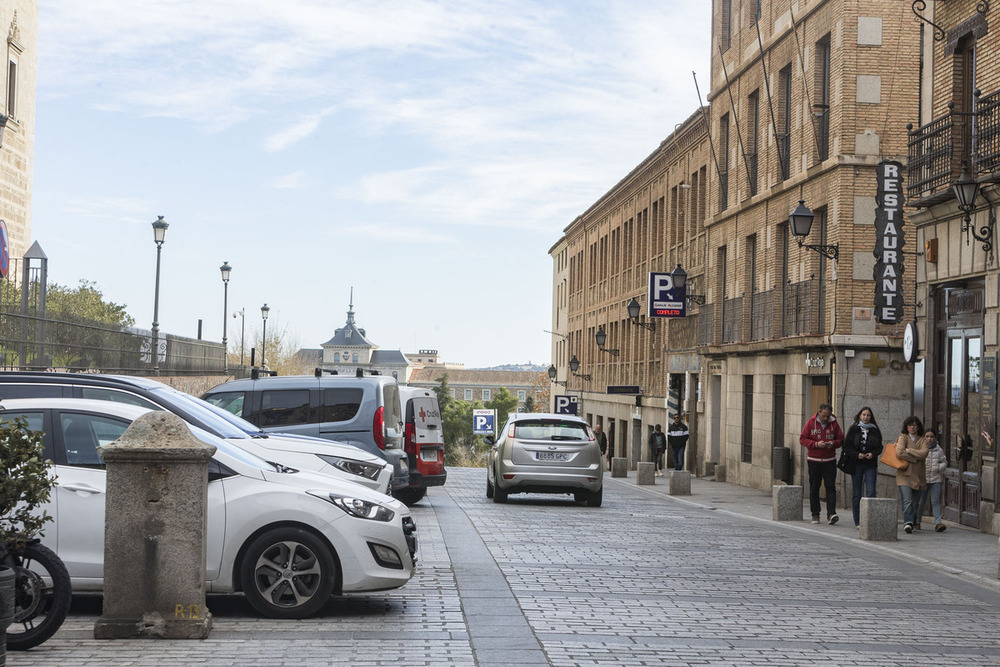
{"x": 355, "y": 537}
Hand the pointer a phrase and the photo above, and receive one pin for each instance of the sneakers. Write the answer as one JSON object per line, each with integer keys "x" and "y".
{"x": 908, "y": 528}
{"x": 815, "y": 518}
{"x": 940, "y": 528}
{"x": 832, "y": 519}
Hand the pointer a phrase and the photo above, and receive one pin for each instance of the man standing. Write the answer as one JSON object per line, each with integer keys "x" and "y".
{"x": 677, "y": 434}
{"x": 658, "y": 447}
{"x": 821, "y": 436}
{"x": 602, "y": 440}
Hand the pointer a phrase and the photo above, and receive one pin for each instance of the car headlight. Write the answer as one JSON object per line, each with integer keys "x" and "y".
{"x": 353, "y": 467}
{"x": 363, "y": 509}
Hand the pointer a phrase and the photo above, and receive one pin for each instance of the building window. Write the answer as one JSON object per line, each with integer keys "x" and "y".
{"x": 753, "y": 133}
{"x": 747, "y": 448}
{"x": 778, "y": 413}
{"x": 724, "y": 162}
{"x": 487, "y": 394}
{"x": 726, "y": 36}
{"x": 452, "y": 392}
{"x": 355, "y": 358}
{"x": 336, "y": 357}
{"x": 784, "y": 121}
{"x": 468, "y": 394}
{"x": 522, "y": 395}
{"x": 821, "y": 110}
{"x": 754, "y": 11}
{"x": 12, "y": 89}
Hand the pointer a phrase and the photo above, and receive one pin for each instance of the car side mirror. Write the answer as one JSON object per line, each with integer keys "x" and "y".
{"x": 490, "y": 440}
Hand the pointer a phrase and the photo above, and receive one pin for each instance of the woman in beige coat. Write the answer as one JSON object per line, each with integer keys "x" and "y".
{"x": 912, "y": 448}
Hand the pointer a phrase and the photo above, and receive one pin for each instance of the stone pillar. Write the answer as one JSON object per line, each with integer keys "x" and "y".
{"x": 878, "y": 519}
{"x": 154, "y": 532}
{"x": 645, "y": 473}
{"x": 619, "y": 466}
{"x": 786, "y": 503}
{"x": 678, "y": 483}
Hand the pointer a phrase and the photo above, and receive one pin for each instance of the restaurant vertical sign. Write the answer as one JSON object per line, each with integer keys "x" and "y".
{"x": 888, "y": 252}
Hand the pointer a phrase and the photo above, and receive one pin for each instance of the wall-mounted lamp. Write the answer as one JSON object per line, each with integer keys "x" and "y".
{"x": 601, "y": 337}
{"x": 801, "y": 220}
{"x": 574, "y": 366}
{"x": 552, "y": 376}
{"x": 966, "y": 190}
{"x": 633, "y": 308}
{"x": 679, "y": 277}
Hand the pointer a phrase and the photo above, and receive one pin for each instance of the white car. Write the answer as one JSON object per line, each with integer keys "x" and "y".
{"x": 359, "y": 539}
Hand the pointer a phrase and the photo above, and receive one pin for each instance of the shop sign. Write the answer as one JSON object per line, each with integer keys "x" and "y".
{"x": 889, "y": 240}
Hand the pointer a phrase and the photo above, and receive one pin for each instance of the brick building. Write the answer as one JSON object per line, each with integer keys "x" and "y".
{"x": 805, "y": 112}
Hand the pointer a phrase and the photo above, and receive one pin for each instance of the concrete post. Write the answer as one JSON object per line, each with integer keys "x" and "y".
{"x": 645, "y": 473}
{"x": 878, "y": 519}
{"x": 679, "y": 483}
{"x": 154, "y": 532}
{"x": 619, "y": 466}
{"x": 786, "y": 503}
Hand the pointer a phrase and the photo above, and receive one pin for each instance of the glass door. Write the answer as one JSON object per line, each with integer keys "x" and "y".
{"x": 962, "y": 440}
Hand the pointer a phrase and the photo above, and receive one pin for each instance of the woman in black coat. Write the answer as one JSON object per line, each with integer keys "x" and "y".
{"x": 862, "y": 446}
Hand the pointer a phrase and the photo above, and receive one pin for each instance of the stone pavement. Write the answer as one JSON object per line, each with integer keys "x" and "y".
{"x": 647, "y": 579}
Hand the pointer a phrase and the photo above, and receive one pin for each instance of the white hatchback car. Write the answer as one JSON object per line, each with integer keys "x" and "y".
{"x": 259, "y": 518}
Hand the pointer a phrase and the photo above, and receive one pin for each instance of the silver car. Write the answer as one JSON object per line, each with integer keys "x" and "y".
{"x": 545, "y": 453}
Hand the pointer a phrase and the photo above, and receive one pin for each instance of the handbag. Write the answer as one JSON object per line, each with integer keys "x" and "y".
{"x": 846, "y": 463}
{"x": 890, "y": 459}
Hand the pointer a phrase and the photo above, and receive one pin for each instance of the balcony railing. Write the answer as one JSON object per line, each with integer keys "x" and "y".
{"x": 802, "y": 313}
{"x": 762, "y": 315}
{"x": 931, "y": 157}
{"x": 988, "y": 134}
{"x": 706, "y": 324}
{"x": 732, "y": 320}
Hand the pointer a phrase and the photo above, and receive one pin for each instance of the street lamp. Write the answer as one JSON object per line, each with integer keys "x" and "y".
{"x": 679, "y": 278}
{"x": 633, "y": 309}
{"x": 226, "y": 270}
{"x": 159, "y": 232}
{"x": 574, "y": 366}
{"x": 601, "y": 337}
{"x": 552, "y": 375}
{"x": 966, "y": 190}
{"x": 264, "y": 310}
{"x": 243, "y": 327}
{"x": 801, "y": 220}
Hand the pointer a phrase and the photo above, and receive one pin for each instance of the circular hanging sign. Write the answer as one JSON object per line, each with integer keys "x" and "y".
{"x": 910, "y": 343}
{"x": 4, "y": 250}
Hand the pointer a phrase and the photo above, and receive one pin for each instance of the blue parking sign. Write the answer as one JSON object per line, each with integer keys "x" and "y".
{"x": 566, "y": 405}
{"x": 484, "y": 422}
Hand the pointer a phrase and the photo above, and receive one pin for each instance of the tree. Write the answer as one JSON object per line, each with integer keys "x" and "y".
{"x": 540, "y": 394}
{"x": 443, "y": 392}
{"x": 504, "y": 403}
{"x": 25, "y": 482}
{"x": 461, "y": 446}
{"x": 279, "y": 354}
{"x": 84, "y": 304}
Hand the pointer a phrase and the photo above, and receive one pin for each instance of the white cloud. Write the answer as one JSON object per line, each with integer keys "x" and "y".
{"x": 293, "y": 181}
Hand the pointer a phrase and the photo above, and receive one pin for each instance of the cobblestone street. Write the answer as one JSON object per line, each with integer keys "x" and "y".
{"x": 646, "y": 579}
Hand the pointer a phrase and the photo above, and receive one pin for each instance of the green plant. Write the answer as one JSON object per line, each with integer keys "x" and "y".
{"x": 25, "y": 482}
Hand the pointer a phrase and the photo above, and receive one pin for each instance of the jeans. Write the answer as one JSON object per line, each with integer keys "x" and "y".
{"x": 911, "y": 501}
{"x": 657, "y": 455}
{"x": 933, "y": 491}
{"x": 863, "y": 479}
{"x": 679, "y": 457}
{"x": 824, "y": 472}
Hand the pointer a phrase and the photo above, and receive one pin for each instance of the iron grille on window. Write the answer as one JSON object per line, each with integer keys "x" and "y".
{"x": 732, "y": 320}
{"x": 706, "y": 325}
{"x": 801, "y": 309}
{"x": 761, "y": 315}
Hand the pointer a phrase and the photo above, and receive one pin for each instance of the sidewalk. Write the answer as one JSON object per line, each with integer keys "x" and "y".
{"x": 959, "y": 550}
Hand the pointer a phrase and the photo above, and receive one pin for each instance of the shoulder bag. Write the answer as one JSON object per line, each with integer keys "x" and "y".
{"x": 890, "y": 459}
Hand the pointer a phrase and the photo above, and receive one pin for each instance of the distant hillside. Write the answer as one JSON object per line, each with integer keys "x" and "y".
{"x": 515, "y": 367}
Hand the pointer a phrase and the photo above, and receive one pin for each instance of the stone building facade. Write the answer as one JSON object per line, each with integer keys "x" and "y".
{"x": 956, "y": 138}
{"x": 804, "y": 103}
{"x": 17, "y": 151}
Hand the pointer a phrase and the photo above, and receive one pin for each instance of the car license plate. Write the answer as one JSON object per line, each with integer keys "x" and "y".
{"x": 551, "y": 456}
{"x": 428, "y": 455}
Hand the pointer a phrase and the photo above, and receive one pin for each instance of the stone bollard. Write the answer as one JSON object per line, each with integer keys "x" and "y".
{"x": 154, "y": 532}
{"x": 645, "y": 472}
{"x": 879, "y": 519}
{"x": 619, "y": 466}
{"x": 786, "y": 503}
{"x": 678, "y": 483}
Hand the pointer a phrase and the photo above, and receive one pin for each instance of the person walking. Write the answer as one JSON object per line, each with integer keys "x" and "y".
{"x": 822, "y": 437}
{"x": 602, "y": 441}
{"x": 934, "y": 466}
{"x": 658, "y": 447}
{"x": 677, "y": 436}
{"x": 862, "y": 446}
{"x": 912, "y": 448}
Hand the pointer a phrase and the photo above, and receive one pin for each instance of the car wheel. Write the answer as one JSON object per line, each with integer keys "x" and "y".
{"x": 411, "y": 496}
{"x": 580, "y": 495}
{"x": 596, "y": 497}
{"x": 489, "y": 486}
{"x": 288, "y": 573}
{"x": 499, "y": 494}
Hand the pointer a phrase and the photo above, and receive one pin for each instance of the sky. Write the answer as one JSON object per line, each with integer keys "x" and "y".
{"x": 427, "y": 154}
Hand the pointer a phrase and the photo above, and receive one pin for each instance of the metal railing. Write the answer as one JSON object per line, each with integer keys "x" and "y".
{"x": 931, "y": 157}
{"x": 987, "y": 159}
{"x": 732, "y": 320}
{"x": 802, "y": 311}
{"x": 706, "y": 324}
{"x": 762, "y": 315}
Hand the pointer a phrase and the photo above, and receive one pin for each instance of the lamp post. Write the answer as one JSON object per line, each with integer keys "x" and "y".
{"x": 633, "y": 309}
{"x": 243, "y": 327}
{"x": 679, "y": 277}
{"x": 159, "y": 232}
{"x": 264, "y": 310}
{"x": 801, "y": 220}
{"x": 601, "y": 337}
{"x": 552, "y": 375}
{"x": 966, "y": 190}
{"x": 226, "y": 270}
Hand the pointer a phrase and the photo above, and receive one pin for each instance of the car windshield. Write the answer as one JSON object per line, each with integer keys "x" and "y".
{"x": 550, "y": 430}
{"x": 235, "y": 452}
{"x": 202, "y": 411}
